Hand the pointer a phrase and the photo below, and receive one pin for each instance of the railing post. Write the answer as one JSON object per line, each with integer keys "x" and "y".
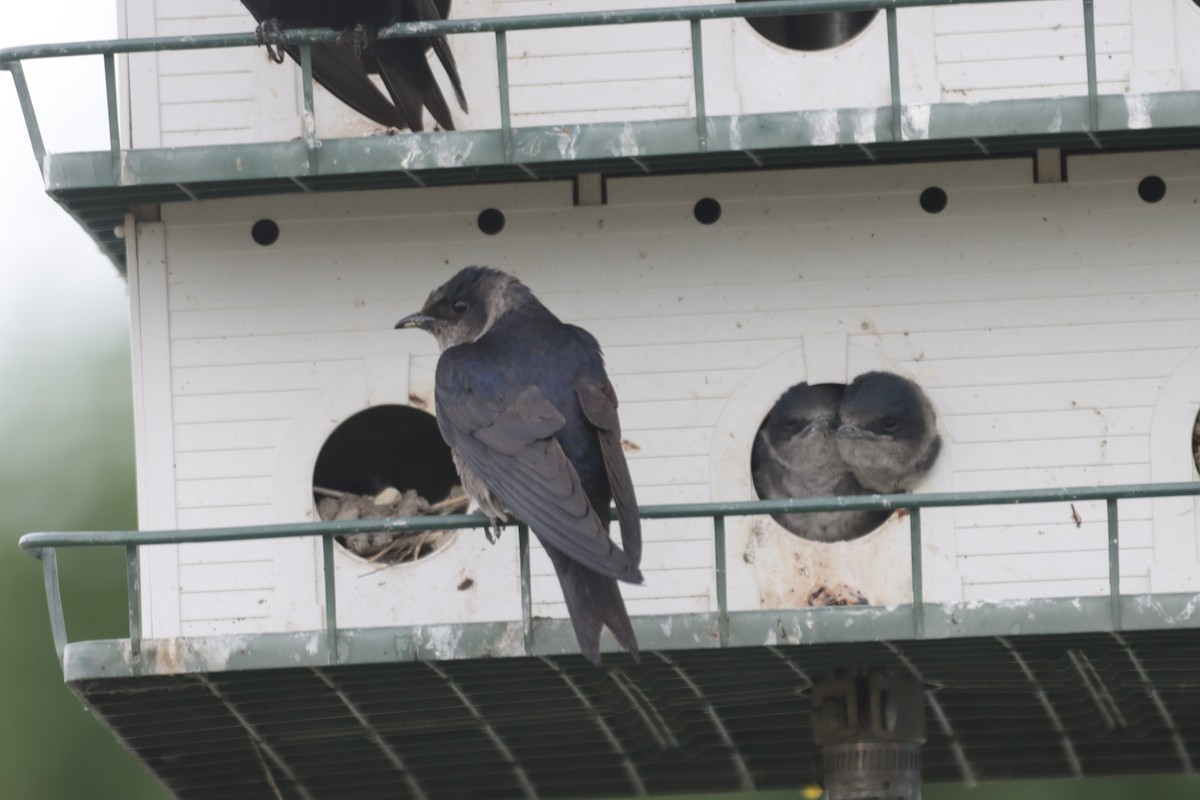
{"x": 1114, "y": 564}
{"x": 722, "y": 586}
{"x": 918, "y": 572}
{"x": 133, "y": 579}
{"x": 114, "y": 125}
{"x": 698, "y": 86}
{"x": 1089, "y": 39}
{"x": 505, "y": 111}
{"x": 58, "y": 622}
{"x": 310, "y": 112}
{"x": 526, "y": 587}
{"x": 893, "y": 37}
{"x": 331, "y": 630}
{"x": 31, "y": 123}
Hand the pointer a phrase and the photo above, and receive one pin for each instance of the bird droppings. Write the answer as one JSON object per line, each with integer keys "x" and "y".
{"x": 416, "y": 401}
{"x": 630, "y": 446}
{"x": 467, "y": 583}
{"x": 382, "y": 546}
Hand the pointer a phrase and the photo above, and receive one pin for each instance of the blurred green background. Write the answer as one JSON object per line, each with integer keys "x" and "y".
{"x": 66, "y": 430}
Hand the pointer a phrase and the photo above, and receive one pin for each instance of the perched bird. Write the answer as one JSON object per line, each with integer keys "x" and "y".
{"x": 795, "y": 454}
{"x": 888, "y": 435}
{"x": 344, "y": 67}
{"x": 526, "y": 406}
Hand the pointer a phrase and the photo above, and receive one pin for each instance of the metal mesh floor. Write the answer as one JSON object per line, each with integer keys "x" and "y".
{"x": 686, "y": 721}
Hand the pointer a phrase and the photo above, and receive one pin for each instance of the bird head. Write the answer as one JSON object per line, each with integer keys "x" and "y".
{"x": 804, "y": 411}
{"x": 465, "y": 307}
{"x": 888, "y": 432}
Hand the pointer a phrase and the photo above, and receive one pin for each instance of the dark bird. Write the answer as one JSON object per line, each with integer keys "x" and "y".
{"x": 795, "y": 454}
{"x": 888, "y": 435}
{"x": 526, "y": 406}
{"x": 344, "y": 67}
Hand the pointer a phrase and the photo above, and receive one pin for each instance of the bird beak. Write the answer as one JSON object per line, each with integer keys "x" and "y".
{"x": 849, "y": 431}
{"x": 417, "y": 320}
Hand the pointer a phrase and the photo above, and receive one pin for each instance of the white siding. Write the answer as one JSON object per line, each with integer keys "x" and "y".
{"x": 1044, "y": 322}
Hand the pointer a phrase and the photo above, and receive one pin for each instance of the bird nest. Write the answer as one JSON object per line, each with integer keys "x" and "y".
{"x": 381, "y": 546}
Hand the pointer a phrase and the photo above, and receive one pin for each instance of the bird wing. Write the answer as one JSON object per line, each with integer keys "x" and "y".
{"x": 599, "y": 405}
{"x": 512, "y": 448}
{"x": 426, "y": 10}
{"x": 341, "y": 72}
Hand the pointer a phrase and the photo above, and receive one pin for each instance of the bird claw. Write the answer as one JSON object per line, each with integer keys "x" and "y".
{"x": 262, "y": 35}
{"x": 359, "y": 37}
{"x": 493, "y": 532}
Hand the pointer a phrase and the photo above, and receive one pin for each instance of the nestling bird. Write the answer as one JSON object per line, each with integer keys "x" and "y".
{"x": 530, "y": 415}
{"x": 796, "y": 455}
{"x": 888, "y": 434}
{"x": 343, "y": 67}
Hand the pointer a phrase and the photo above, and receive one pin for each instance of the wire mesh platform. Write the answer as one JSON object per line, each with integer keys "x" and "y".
{"x": 684, "y": 721}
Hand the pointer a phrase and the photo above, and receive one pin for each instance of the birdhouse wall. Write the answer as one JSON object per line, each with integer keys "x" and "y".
{"x": 1053, "y": 326}
{"x": 635, "y": 72}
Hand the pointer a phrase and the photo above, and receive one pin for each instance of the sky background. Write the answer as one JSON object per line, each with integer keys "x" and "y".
{"x": 66, "y": 429}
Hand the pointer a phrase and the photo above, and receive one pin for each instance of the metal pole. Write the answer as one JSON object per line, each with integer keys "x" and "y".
{"x": 722, "y": 585}
{"x": 331, "y": 630}
{"x": 1114, "y": 563}
{"x": 918, "y": 573}
{"x": 1089, "y": 39}
{"x": 698, "y": 86}
{"x": 133, "y": 578}
{"x": 526, "y": 587}
{"x": 893, "y": 38}
{"x": 310, "y": 111}
{"x": 505, "y": 112}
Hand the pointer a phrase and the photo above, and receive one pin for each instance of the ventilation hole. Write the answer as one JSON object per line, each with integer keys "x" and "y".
{"x": 876, "y": 435}
{"x": 1152, "y": 189}
{"x": 265, "y": 232}
{"x": 707, "y": 211}
{"x": 386, "y": 461}
{"x": 491, "y": 221}
{"x": 934, "y": 200}
{"x": 811, "y": 32}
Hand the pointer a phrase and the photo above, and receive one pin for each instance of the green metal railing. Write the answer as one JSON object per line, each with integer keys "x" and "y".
{"x": 11, "y": 58}
{"x": 44, "y": 546}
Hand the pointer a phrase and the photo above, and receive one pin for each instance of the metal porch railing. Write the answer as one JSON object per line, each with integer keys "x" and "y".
{"x": 44, "y": 546}
{"x": 11, "y": 58}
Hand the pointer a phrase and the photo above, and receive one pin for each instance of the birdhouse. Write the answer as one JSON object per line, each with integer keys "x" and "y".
{"x": 990, "y": 205}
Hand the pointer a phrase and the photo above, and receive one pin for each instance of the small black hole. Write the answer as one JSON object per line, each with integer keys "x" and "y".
{"x": 934, "y": 200}
{"x": 1152, "y": 189}
{"x": 265, "y": 232}
{"x": 707, "y": 211}
{"x": 491, "y": 221}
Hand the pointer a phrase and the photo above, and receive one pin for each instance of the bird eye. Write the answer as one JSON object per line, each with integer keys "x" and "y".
{"x": 459, "y": 306}
{"x": 890, "y": 424}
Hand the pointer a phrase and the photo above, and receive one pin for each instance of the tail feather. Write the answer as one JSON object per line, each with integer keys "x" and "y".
{"x": 593, "y": 603}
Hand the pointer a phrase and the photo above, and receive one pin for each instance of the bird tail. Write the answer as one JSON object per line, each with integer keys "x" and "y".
{"x": 413, "y": 92}
{"x": 593, "y": 602}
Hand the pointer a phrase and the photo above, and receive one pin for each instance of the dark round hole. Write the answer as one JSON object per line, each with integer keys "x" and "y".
{"x": 707, "y": 211}
{"x": 265, "y": 232}
{"x": 1152, "y": 189}
{"x": 383, "y": 448}
{"x": 811, "y": 32}
{"x": 1196, "y": 441}
{"x": 934, "y": 200}
{"x": 491, "y": 221}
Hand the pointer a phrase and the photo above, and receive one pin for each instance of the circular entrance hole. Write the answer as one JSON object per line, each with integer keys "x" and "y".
{"x": 811, "y": 32}
{"x": 387, "y": 461}
{"x": 876, "y": 435}
{"x": 491, "y": 221}
{"x": 1196, "y": 442}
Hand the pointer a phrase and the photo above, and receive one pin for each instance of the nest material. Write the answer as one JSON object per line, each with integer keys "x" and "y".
{"x": 388, "y": 548}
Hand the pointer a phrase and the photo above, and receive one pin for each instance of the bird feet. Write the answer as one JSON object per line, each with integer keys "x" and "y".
{"x": 359, "y": 37}
{"x": 262, "y": 34}
{"x": 493, "y": 531}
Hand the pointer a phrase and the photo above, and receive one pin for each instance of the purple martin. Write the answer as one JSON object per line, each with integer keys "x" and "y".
{"x": 888, "y": 434}
{"x": 530, "y": 415}
{"x": 795, "y": 454}
{"x": 343, "y": 67}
